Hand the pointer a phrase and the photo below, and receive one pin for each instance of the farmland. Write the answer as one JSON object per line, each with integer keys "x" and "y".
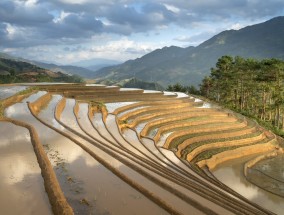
{"x": 94, "y": 149}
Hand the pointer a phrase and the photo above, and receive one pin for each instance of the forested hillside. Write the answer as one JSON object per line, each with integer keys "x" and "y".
{"x": 252, "y": 87}
{"x": 15, "y": 71}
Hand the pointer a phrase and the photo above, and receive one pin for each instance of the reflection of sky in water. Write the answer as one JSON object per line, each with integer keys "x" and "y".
{"x": 197, "y": 100}
{"x": 21, "y": 181}
{"x": 163, "y": 138}
{"x": 166, "y": 93}
{"x": 112, "y": 106}
{"x": 131, "y": 110}
{"x": 7, "y": 91}
{"x": 128, "y": 89}
{"x": 181, "y": 95}
{"x": 233, "y": 177}
{"x": 140, "y": 127}
{"x": 12, "y": 141}
{"x": 151, "y": 91}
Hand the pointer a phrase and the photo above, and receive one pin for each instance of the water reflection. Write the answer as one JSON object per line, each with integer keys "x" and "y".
{"x": 113, "y": 106}
{"x": 7, "y": 91}
{"x": 231, "y": 174}
{"x": 21, "y": 181}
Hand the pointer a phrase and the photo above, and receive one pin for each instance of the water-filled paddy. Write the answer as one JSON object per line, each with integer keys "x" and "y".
{"x": 7, "y": 91}
{"x": 232, "y": 175}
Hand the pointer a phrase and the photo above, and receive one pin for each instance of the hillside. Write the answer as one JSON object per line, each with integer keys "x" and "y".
{"x": 14, "y": 71}
{"x": 72, "y": 70}
{"x": 189, "y": 65}
{"x": 67, "y": 69}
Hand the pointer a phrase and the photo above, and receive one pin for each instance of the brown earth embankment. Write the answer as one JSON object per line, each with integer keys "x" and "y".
{"x": 41, "y": 102}
{"x": 204, "y": 129}
{"x": 240, "y": 152}
{"x": 151, "y": 115}
{"x": 177, "y": 117}
{"x": 56, "y": 197}
{"x": 216, "y": 145}
{"x": 151, "y": 103}
{"x": 60, "y": 107}
{"x": 184, "y": 124}
{"x": 226, "y": 134}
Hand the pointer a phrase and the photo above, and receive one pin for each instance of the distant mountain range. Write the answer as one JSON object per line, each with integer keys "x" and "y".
{"x": 189, "y": 65}
{"x": 85, "y": 69}
{"x": 15, "y": 71}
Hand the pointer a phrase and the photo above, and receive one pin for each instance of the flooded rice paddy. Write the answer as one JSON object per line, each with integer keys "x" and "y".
{"x": 104, "y": 165}
{"x": 8, "y": 91}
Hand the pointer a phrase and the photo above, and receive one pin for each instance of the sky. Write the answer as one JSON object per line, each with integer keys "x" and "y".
{"x": 68, "y": 31}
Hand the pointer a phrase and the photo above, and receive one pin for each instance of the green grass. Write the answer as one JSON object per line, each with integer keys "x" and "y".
{"x": 98, "y": 105}
{"x": 180, "y": 121}
{"x": 27, "y": 91}
{"x": 193, "y": 146}
{"x": 209, "y": 153}
{"x": 182, "y": 138}
{"x": 175, "y": 142}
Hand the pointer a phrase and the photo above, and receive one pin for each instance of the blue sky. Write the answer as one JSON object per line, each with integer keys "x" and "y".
{"x": 66, "y": 31}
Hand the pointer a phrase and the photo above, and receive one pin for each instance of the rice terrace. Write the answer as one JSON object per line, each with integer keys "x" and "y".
{"x": 96, "y": 149}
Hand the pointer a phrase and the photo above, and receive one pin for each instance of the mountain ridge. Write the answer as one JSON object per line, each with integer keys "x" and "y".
{"x": 189, "y": 65}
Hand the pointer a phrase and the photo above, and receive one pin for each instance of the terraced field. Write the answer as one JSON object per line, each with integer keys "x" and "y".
{"x": 106, "y": 150}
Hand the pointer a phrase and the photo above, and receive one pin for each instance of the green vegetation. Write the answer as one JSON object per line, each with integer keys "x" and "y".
{"x": 123, "y": 122}
{"x": 195, "y": 145}
{"x": 28, "y": 90}
{"x": 185, "y": 89}
{"x": 14, "y": 71}
{"x": 209, "y": 153}
{"x": 98, "y": 105}
{"x": 252, "y": 87}
{"x": 176, "y": 141}
{"x": 136, "y": 83}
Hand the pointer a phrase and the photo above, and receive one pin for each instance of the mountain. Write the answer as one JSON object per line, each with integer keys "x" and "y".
{"x": 96, "y": 63}
{"x": 15, "y": 71}
{"x": 189, "y": 65}
{"x": 73, "y": 70}
{"x": 67, "y": 69}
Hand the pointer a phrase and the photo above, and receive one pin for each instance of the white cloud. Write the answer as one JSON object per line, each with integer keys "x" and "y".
{"x": 236, "y": 26}
{"x": 61, "y": 17}
{"x": 172, "y": 8}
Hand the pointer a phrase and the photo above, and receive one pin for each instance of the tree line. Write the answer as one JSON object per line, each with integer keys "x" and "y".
{"x": 250, "y": 86}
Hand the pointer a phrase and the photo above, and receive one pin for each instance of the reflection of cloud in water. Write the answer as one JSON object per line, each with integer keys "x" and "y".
{"x": 17, "y": 154}
{"x": 5, "y": 142}
{"x": 17, "y": 110}
{"x": 232, "y": 177}
{"x": 229, "y": 177}
{"x": 70, "y": 152}
{"x": 21, "y": 181}
{"x": 16, "y": 167}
